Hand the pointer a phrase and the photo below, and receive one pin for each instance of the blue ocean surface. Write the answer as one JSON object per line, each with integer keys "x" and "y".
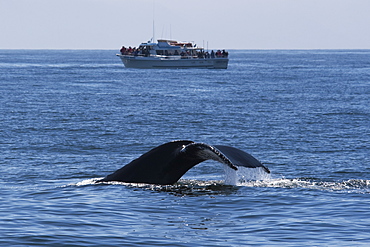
{"x": 70, "y": 117}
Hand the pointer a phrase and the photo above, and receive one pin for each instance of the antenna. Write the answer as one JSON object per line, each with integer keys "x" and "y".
{"x": 153, "y": 39}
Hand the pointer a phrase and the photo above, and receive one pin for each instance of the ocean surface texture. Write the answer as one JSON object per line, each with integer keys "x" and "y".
{"x": 68, "y": 118}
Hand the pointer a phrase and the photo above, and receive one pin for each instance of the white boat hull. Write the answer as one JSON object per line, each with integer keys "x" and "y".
{"x": 173, "y": 62}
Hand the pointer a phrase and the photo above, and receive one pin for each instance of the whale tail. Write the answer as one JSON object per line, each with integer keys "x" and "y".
{"x": 240, "y": 158}
{"x": 167, "y": 163}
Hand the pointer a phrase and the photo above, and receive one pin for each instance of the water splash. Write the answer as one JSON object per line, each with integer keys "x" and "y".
{"x": 244, "y": 174}
{"x": 348, "y": 186}
{"x": 257, "y": 177}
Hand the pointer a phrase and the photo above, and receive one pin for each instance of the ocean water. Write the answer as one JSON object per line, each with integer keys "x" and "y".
{"x": 69, "y": 117}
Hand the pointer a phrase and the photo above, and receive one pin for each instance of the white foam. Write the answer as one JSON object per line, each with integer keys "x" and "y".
{"x": 348, "y": 186}
{"x": 87, "y": 182}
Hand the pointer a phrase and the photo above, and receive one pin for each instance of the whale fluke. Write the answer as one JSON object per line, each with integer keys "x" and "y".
{"x": 167, "y": 163}
{"x": 240, "y": 158}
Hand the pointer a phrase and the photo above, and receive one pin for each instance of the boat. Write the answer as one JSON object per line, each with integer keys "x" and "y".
{"x": 172, "y": 54}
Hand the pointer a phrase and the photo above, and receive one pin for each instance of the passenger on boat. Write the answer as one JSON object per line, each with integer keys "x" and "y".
{"x": 123, "y": 50}
{"x": 146, "y": 52}
{"x": 201, "y": 54}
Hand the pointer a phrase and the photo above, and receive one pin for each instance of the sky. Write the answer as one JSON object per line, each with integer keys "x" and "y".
{"x": 221, "y": 24}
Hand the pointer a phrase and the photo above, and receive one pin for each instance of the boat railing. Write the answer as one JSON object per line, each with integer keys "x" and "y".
{"x": 171, "y": 57}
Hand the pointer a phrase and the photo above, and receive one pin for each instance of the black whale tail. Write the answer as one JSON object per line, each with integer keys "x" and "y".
{"x": 167, "y": 163}
{"x": 241, "y": 158}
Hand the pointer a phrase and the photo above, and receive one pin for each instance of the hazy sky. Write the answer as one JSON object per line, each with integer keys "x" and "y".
{"x": 231, "y": 24}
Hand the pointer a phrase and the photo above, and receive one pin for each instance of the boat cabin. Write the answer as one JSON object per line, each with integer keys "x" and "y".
{"x": 170, "y": 48}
